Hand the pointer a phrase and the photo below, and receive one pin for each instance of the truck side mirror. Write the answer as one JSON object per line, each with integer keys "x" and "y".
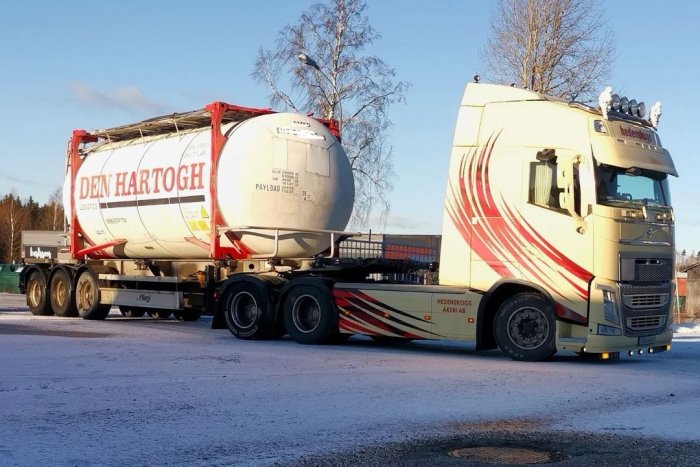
{"x": 566, "y": 183}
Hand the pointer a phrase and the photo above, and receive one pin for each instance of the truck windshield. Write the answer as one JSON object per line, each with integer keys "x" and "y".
{"x": 617, "y": 186}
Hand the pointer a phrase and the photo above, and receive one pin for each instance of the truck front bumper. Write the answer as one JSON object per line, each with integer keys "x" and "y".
{"x": 597, "y": 344}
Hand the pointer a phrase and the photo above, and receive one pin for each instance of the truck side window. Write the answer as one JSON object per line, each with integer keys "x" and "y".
{"x": 543, "y": 189}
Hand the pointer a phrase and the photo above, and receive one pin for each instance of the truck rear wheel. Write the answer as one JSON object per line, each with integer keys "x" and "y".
{"x": 61, "y": 294}
{"x": 524, "y": 327}
{"x": 310, "y": 315}
{"x": 248, "y": 311}
{"x": 37, "y": 294}
{"x": 87, "y": 297}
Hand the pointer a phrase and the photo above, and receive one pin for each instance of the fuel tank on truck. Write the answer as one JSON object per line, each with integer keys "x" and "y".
{"x": 279, "y": 170}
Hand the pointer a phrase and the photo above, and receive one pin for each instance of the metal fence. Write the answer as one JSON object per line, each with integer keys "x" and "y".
{"x": 421, "y": 251}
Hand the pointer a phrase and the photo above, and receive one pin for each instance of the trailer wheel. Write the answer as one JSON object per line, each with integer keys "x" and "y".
{"x": 248, "y": 311}
{"x": 524, "y": 327}
{"x": 310, "y": 315}
{"x": 131, "y": 311}
{"x": 37, "y": 295}
{"x": 87, "y": 297}
{"x": 61, "y": 294}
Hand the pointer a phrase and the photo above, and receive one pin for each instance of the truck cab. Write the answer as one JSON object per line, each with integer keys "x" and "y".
{"x": 568, "y": 201}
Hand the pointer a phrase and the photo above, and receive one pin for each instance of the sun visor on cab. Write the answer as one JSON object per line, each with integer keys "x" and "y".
{"x": 625, "y": 145}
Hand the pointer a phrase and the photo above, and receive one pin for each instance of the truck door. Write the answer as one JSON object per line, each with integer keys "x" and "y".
{"x": 556, "y": 229}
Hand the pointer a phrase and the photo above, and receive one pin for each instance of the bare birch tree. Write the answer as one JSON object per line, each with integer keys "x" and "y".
{"x": 51, "y": 214}
{"x": 562, "y": 48}
{"x": 320, "y": 64}
{"x": 56, "y": 209}
{"x": 13, "y": 217}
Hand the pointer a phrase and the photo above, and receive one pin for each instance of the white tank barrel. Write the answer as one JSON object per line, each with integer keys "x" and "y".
{"x": 279, "y": 171}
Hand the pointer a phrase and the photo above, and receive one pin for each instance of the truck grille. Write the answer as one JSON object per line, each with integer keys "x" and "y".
{"x": 634, "y": 269}
{"x": 653, "y": 269}
{"x": 645, "y": 300}
{"x": 645, "y": 308}
{"x": 645, "y": 323}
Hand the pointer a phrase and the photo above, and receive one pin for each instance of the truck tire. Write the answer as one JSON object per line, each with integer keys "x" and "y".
{"x": 310, "y": 315}
{"x": 131, "y": 311}
{"x": 37, "y": 294}
{"x": 524, "y": 327}
{"x": 248, "y": 311}
{"x": 87, "y": 297}
{"x": 61, "y": 294}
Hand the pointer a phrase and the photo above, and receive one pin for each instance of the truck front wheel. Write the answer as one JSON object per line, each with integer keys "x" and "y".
{"x": 248, "y": 311}
{"x": 310, "y": 315}
{"x": 37, "y": 294}
{"x": 524, "y": 327}
{"x": 87, "y": 297}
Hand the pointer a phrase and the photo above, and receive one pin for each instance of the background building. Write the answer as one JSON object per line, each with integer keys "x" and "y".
{"x": 692, "y": 290}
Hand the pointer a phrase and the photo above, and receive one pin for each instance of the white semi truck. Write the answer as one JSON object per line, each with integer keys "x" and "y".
{"x": 557, "y": 230}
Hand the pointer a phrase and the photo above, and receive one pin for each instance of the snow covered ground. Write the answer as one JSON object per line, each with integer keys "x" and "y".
{"x": 687, "y": 330}
{"x": 147, "y": 392}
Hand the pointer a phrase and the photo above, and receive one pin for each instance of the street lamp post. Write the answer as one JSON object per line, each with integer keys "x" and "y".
{"x": 308, "y": 61}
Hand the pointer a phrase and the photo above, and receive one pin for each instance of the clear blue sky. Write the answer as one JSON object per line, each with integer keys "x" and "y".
{"x": 80, "y": 64}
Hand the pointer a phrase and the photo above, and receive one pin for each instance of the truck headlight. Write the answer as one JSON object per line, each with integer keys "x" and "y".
{"x": 610, "y": 307}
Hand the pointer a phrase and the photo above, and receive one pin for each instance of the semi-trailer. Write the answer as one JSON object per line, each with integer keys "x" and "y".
{"x": 557, "y": 229}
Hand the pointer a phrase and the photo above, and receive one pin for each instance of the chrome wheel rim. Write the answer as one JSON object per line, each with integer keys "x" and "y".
{"x": 244, "y": 310}
{"x": 306, "y": 313}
